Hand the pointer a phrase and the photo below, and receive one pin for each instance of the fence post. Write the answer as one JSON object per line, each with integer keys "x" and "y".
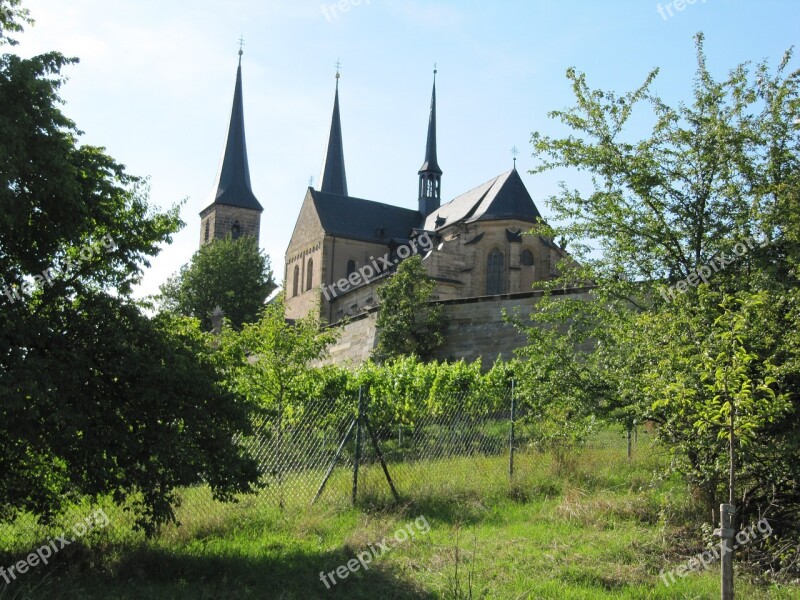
{"x": 630, "y": 441}
{"x": 511, "y": 435}
{"x": 357, "y": 460}
{"x": 726, "y": 533}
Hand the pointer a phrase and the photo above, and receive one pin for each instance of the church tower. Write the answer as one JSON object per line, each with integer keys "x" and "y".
{"x": 234, "y": 210}
{"x": 333, "y": 179}
{"x": 430, "y": 175}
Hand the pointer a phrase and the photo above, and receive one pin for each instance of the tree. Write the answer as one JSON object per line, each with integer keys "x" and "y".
{"x": 690, "y": 235}
{"x": 407, "y": 322}
{"x": 12, "y": 16}
{"x": 270, "y": 360}
{"x": 230, "y": 273}
{"x": 95, "y": 398}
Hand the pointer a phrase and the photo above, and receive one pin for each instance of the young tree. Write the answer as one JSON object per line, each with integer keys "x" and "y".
{"x": 270, "y": 360}
{"x": 685, "y": 231}
{"x": 232, "y": 274}
{"x": 407, "y": 322}
{"x": 95, "y": 398}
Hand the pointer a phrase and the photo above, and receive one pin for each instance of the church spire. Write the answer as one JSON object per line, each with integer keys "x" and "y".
{"x": 233, "y": 181}
{"x": 430, "y": 175}
{"x": 334, "y": 179}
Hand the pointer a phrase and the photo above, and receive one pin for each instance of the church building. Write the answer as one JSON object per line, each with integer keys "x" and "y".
{"x": 477, "y": 244}
{"x": 343, "y": 247}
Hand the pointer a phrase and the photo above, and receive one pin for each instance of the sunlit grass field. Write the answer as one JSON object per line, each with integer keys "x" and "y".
{"x": 597, "y": 526}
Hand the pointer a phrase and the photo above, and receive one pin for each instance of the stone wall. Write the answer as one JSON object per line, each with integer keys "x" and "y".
{"x": 476, "y": 329}
{"x": 356, "y": 340}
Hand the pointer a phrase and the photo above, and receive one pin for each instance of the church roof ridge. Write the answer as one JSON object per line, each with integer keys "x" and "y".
{"x": 362, "y": 219}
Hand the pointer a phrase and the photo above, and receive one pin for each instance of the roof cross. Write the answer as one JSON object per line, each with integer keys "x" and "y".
{"x": 514, "y": 153}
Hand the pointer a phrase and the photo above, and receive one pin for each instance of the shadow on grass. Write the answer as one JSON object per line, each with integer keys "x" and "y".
{"x": 157, "y": 574}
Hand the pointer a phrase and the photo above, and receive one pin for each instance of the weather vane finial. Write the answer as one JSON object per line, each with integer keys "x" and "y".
{"x": 241, "y": 48}
{"x": 514, "y": 153}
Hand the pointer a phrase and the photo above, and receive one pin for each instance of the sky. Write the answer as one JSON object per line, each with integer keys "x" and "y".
{"x": 155, "y": 83}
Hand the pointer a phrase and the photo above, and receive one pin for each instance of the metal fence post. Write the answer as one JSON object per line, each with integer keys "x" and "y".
{"x": 511, "y": 435}
{"x": 357, "y": 460}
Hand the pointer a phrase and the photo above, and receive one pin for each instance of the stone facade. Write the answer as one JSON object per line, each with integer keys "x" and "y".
{"x": 458, "y": 263}
{"x": 220, "y": 220}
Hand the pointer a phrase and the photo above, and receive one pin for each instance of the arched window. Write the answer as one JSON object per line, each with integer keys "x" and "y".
{"x": 495, "y": 273}
{"x": 208, "y": 232}
{"x": 310, "y": 274}
{"x": 351, "y": 267}
{"x": 236, "y": 230}
{"x": 526, "y": 258}
{"x": 296, "y": 281}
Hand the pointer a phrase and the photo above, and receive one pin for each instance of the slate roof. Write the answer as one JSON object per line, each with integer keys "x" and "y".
{"x": 431, "y": 164}
{"x": 233, "y": 187}
{"x": 504, "y": 197}
{"x": 365, "y": 220}
{"x": 333, "y": 179}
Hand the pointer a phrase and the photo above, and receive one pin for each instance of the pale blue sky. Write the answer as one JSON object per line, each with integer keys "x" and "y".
{"x": 155, "y": 85}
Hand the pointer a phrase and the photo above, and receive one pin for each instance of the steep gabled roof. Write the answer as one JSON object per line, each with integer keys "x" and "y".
{"x": 334, "y": 179}
{"x": 431, "y": 164}
{"x": 364, "y": 220}
{"x": 502, "y": 198}
{"x": 233, "y": 187}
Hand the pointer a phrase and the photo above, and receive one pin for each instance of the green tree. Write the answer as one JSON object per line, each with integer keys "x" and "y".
{"x": 95, "y": 398}
{"x": 407, "y": 322}
{"x": 690, "y": 236}
{"x": 12, "y": 17}
{"x": 270, "y": 361}
{"x": 232, "y": 274}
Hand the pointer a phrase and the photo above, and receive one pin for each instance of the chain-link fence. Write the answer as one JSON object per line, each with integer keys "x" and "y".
{"x": 367, "y": 448}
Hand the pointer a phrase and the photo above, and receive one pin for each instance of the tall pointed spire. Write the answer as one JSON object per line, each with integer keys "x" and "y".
{"x": 233, "y": 181}
{"x": 430, "y": 175}
{"x": 334, "y": 179}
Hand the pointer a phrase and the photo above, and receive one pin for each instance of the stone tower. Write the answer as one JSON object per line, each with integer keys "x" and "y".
{"x": 234, "y": 209}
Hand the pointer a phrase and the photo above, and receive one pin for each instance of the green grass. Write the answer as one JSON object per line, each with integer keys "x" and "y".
{"x": 600, "y": 527}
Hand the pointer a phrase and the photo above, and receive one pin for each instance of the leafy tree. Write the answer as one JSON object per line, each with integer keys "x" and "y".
{"x": 690, "y": 236}
{"x": 232, "y": 274}
{"x": 12, "y": 16}
{"x": 407, "y": 322}
{"x": 95, "y": 398}
{"x": 270, "y": 360}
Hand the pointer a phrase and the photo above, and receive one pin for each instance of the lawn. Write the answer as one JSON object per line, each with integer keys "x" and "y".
{"x": 598, "y": 527}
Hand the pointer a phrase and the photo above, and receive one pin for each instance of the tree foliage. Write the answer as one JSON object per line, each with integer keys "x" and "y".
{"x": 232, "y": 274}
{"x": 656, "y": 340}
{"x": 95, "y": 397}
{"x": 271, "y": 360}
{"x": 407, "y": 323}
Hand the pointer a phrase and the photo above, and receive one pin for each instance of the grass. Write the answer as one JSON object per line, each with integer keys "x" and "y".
{"x": 600, "y": 528}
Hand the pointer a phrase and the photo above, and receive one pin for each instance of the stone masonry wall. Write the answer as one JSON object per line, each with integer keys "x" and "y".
{"x": 476, "y": 329}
